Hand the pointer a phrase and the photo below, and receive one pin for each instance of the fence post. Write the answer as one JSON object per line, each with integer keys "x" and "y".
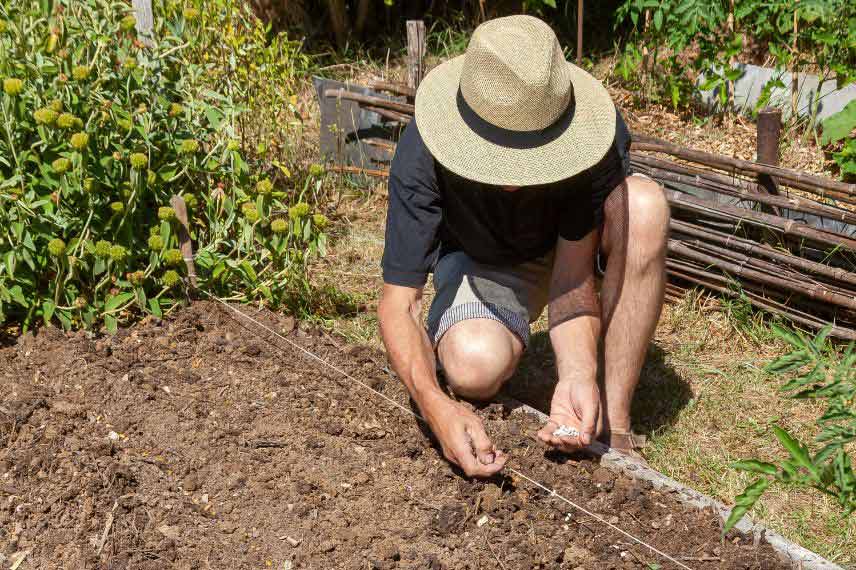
{"x": 145, "y": 20}
{"x": 185, "y": 245}
{"x": 415, "y": 52}
{"x": 769, "y": 131}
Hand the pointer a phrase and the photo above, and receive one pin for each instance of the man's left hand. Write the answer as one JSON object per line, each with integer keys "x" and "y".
{"x": 575, "y": 404}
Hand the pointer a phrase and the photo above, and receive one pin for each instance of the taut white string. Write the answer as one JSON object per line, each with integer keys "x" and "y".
{"x": 550, "y": 491}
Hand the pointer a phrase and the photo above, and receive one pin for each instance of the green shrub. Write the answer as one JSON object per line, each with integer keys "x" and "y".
{"x": 99, "y": 131}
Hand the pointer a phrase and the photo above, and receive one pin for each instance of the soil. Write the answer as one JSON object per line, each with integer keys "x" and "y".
{"x": 194, "y": 442}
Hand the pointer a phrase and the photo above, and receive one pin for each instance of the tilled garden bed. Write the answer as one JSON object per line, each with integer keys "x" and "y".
{"x": 196, "y": 443}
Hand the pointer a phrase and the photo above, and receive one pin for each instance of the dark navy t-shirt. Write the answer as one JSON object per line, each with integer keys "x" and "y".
{"x": 433, "y": 211}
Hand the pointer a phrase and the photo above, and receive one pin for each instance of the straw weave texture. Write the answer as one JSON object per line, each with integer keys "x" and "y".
{"x": 512, "y": 111}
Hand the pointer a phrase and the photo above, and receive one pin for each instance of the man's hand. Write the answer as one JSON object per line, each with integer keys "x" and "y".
{"x": 576, "y": 404}
{"x": 462, "y": 437}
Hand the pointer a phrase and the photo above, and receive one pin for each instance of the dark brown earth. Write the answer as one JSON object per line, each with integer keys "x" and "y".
{"x": 194, "y": 443}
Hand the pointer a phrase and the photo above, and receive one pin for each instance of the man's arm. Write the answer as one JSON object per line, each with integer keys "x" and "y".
{"x": 575, "y": 323}
{"x": 459, "y": 431}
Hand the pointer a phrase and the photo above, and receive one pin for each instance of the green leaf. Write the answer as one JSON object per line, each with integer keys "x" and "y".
{"x": 745, "y": 501}
{"x": 48, "y": 308}
{"x": 754, "y": 466}
{"x": 111, "y": 323}
{"x": 839, "y": 125}
{"x": 658, "y": 19}
{"x": 798, "y": 452}
{"x": 116, "y": 301}
{"x": 154, "y": 306}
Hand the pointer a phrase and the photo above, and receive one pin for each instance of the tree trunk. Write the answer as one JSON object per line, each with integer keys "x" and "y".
{"x": 339, "y": 22}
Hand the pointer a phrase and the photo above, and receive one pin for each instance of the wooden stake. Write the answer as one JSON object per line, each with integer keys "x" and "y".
{"x": 794, "y": 53}
{"x": 185, "y": 245}
{"x": 415, "y": 52}
{"x": 767, "y": 145}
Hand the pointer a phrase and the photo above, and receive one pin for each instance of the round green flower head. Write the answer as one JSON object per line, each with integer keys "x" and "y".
{"x": 166, "y": 213}
{"x": 102, "y": 248}
{"x": 90, "y": 185}
{"x": 191, "y": 200}
{"x": 190, "y": 13}
{"x": 124, "y": 124}
{"x": 151, "y": 177}
{"x": 3, "y": 26}
{"x": 81, "y": 302}
{"x": 12, "y": 86}
{"x": 299, "y": 210}
{"x": 56, "y": 105}
{"x": 80, "y": 72}
{"x": 316, "y": 170}
{"x": 130, "y": 63}
{"x": 118, "y": 253}
{"x": 264, "y": 186}
{"x": 154, "y": 230}
{"x": 45, "y": 116}
{"x": 172, "y": 257}
{"x": 320, "y": 221}
{"x": 233, "y": 145}
{"x": 188, "y": 146}
{"x": 117, "y": 207}
{"x": 61, "y": 165}
{"x": 250, "y": 212}
{"x": 66, "y": 121}
{"x": 127, "y": 23}
{"x": 279, "y": 226}
{"x": 137, "y": 277}
{"x": 175, "y": 109}
{"x": 79, "y": 141}
{"x": 155, "y": 243}
{"x": 139, "y": 161}
{"x": 171, "y": 278}
{"x": 56, "y": 247}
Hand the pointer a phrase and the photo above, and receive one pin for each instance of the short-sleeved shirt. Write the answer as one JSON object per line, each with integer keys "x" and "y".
{"x": 433, "y": 211}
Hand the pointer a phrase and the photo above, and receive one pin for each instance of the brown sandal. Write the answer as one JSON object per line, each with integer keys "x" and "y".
{"x": 625, "y": 442}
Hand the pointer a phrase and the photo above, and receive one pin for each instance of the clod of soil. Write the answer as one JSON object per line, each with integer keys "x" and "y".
{"x": 234, "y": 451}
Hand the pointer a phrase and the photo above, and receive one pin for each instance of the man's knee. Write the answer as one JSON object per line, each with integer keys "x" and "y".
{"x": 639, "y": 224}
{"x": 647, "y": 205}
{"x": 478, "y": 356}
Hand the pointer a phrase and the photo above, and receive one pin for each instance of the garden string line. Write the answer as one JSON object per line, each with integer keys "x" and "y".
{"x": 551, "y": 492}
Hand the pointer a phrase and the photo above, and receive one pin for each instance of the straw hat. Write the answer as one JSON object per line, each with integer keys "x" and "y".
{"x": 511, "y": 111}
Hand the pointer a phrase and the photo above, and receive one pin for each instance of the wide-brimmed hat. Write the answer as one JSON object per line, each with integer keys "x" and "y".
{"x": 511, "y": 111}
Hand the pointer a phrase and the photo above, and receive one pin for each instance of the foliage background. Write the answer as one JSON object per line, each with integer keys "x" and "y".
{"x": 100, "y": 130}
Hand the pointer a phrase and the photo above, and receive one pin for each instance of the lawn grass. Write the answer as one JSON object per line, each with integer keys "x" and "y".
{"x": 703, "y": 399}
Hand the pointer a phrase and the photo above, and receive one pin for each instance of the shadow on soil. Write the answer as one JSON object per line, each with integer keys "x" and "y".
{"x": 660, "y": 396}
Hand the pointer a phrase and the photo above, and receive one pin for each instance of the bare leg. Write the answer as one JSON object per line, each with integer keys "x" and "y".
{"x": 478, "y": 356}
{"x": 636, "y": 224}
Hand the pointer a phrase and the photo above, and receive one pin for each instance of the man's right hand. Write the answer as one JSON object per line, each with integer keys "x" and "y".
{"x": 463, "y": 439}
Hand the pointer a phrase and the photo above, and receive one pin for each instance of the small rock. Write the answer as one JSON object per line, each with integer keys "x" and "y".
{"x": 288, "y": 324}
{"x": 482, "y": 521}
{"x": 328, "y": 546}
{"x": 191, "y": 482}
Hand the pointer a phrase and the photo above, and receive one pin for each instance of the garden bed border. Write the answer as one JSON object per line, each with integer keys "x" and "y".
{"x": 790, "y": 552}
